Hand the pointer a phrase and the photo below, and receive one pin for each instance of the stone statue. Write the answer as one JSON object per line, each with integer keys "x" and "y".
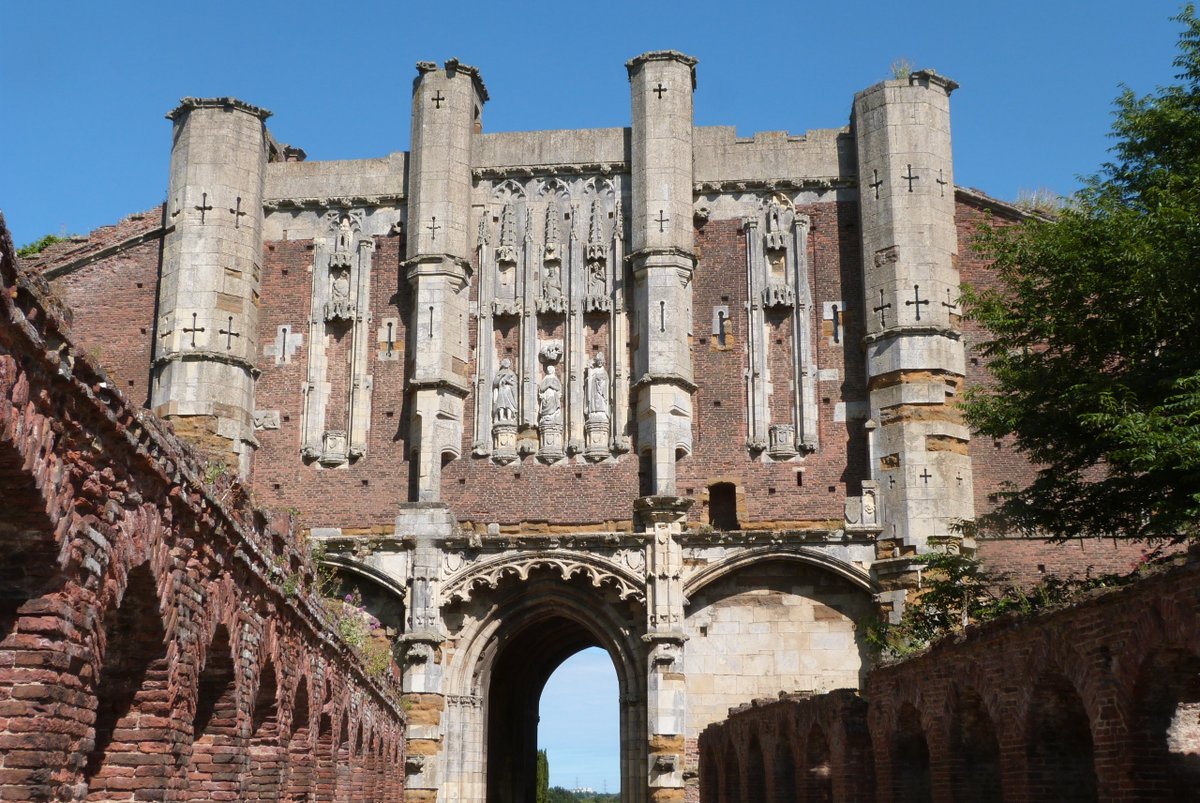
{"x": 504, "y": 393}
{"x": 596, "y": 399}
{"x": 552, "y": 281}
{"x": 341, "y": 287}
{"x": 597, "y": 278}
{"x": 550, "y": 399}
{"x": 345, "y": 235}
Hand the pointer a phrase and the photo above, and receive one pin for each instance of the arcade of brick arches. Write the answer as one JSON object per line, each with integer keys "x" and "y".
{"x": 681, "y": 395}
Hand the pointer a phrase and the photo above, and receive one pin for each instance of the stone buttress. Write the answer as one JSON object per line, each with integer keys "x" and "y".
{"x": 915, "y": 358}
{"x": 663, "y": 260}
{"x": 446, "y": 108}
{"x": 208, "y": 293}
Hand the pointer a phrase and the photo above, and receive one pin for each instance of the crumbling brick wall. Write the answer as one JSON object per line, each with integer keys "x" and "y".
{"x": 1096, "y": 700}
{"x": 157, "y": 636}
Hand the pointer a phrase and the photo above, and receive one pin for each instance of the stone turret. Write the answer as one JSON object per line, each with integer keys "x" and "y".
{"x": 915, "y": 359}
{"x": 446, "y": 109}
{"x": 203, "y": 371}
{"x": 661, "y": 85}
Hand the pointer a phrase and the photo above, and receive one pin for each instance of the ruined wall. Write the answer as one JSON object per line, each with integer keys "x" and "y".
{"x": 1097, "y": 700}
{"x": 158, "y": 639}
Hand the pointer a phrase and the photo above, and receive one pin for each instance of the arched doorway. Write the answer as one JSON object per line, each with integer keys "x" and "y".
{"x": 579, "y": 725}
{"x": 511, "y": 641}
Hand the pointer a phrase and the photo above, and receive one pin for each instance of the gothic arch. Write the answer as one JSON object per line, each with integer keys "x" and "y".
{"x": 513, "y": 640}
{"x": 717, "y": 571}
{"x": 490, "y": 574}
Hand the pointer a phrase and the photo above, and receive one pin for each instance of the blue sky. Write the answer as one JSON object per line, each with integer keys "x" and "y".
{"x": 84, "y": 87}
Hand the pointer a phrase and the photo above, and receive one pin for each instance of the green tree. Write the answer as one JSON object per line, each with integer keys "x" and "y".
{"x": 1095, "y": 333}
{"x": 543, "y": 777}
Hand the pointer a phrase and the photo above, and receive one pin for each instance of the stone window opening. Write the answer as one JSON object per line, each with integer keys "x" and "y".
{"x": 722, "y": 506}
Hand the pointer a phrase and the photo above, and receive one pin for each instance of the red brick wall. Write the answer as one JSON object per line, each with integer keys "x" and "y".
{"x": 150, "y": 617}
{"x": 113, "y": 299}
{"x": 365, "y": 493}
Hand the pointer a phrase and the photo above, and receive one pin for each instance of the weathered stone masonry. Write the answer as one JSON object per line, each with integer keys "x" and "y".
{"x": 156, "y": 638}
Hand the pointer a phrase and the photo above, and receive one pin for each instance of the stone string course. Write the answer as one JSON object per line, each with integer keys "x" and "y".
{"x": 156, "y": 638}
{"x": 1096, "y": 701}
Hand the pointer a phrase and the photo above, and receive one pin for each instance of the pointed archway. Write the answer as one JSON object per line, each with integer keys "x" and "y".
{"x": 525, "y": 630}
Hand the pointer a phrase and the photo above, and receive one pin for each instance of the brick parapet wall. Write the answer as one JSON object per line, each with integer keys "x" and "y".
{"x": 132, "y": 575}
{"x": 1097, "y": 699}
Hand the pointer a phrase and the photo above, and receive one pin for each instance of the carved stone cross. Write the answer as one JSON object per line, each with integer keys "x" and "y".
{"x": 941, "y": 183}
{"x": 910, "y": 178}
{"x": 433, "y": 228}
{"x": 203, "y": 207}
{"x": 925, "y": 475}
{"x": 882, "y": 309}
{"x": 660, "y": 220}
{"x": 659, "y": 90}
{"x": 721, "y": 319}
{"x": 876, "y": 184}
{"x": 437, "y": 99}
{"x": 237, "y": 213}
{"x": 917, "y": 301}
{"x": 194, "y": 329}
{"x": 837, "y": 324}
{"x": 390, "y": 342}
{"x": 229, "y": 334}
{"x": 948, "y": 304}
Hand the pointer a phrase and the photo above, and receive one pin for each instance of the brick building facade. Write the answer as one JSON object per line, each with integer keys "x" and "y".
{"x": 642, "y": 388}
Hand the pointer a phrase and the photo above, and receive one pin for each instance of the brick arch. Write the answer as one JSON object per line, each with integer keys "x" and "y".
{"x": 298, "y": 743}
{"x": 342, "y": 767}
{"x": 711, "y": 772}
{"x": 817, "y": 766}
{"x": 783, "y": 767}
{"x": 216, "y": 756}
{"x": 910, "y": 757}
{"x": 134, "y": 674}
{"x": 756, "y": 769}
{"x": 974, "y": 748}
{"x": 1059, "y": 746}
{"x": 1163, "y": 753}
{"x": 265, "y": 755}
{"x": 731, "y": 774}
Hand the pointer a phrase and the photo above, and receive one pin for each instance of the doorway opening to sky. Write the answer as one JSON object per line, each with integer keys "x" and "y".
{"x": 579, "y": 723}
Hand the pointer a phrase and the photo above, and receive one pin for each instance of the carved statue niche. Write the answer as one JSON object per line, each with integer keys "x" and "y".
{"x": 507, "y": 255}
{"x": 551, "y": 298}
{"x": 597, "y": 297}
{"x": 504, "y": 413}
{"x": 550, "y": 409}
{"x": 336, "y": 422}
{"x": 596, "y": 409}
{"x": 778, "y": 291}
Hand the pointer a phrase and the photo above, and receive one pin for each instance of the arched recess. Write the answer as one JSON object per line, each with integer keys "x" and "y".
{"x": 731, "y": 776}
{"x": 512, "y": 640}
{"x": 818, "y": 767}
{"x": 131, "y": 690}
{"x": 265, "y": 763}
{"x": 722, "y": 506}
{"x": 299, "y": 746}
{"x": 771, "y": 619}
{"x": 322, "y": 760}
{"x": 39, "y": 628}
{"x": 216, "y": 746}
{"x": 30, "y": 568}
{"x": 756, "y": 772}
{"x": 382, "y": 595}
{"x": 1059, "y": 748}
{"x": 911, "y": 781}
{"x": 975, "y": 751}
{"x": 1165, "y": 744}
{"x": 710, "y": 775}
{"x": 783, "y": 781}
{"x": 342, "y": 770}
